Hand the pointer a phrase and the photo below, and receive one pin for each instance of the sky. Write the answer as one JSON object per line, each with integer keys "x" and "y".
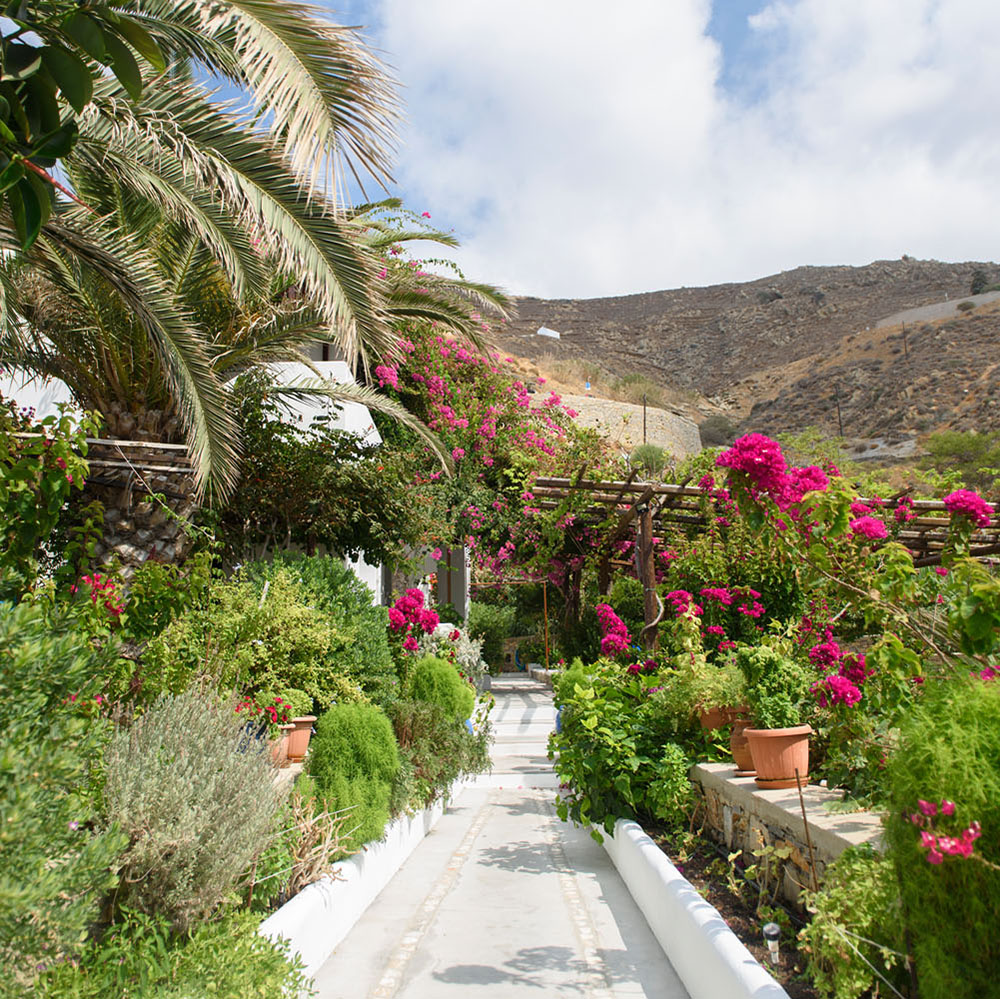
{"x": 582, "y": 149}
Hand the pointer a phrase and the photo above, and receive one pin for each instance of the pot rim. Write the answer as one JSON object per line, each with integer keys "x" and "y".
{"x": 776, "y": 732}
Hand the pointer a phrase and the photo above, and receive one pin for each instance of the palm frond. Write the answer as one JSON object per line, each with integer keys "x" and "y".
{"x": 201, "y": 401}
{"x": 317, "y": 389}
{"x": 248, "y": 174}
{"x": 314, "y": 84}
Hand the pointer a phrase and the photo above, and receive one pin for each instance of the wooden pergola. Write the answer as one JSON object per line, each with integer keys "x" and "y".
{"x": 649, "y": 509}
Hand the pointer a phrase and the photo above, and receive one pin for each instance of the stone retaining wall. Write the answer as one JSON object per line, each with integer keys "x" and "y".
{"x": 743, "y": 817}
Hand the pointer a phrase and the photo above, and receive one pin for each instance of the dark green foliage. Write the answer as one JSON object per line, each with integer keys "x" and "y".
{"x": 354, "y": 759}
{"x": 776, "y": 687}
{"x": 716, "y": 430}
{"x": 362, "y": 650}
{"x": 979, "y": 283}
{"x": 615, "y": 754}
{"x": 973, "y": 455}
{"x": 437, "y": 682}
{"x": 855, "y": 925}
{"x": 436, "y": 749}
{"x": 140, "y": 956}
{"x": 626, "y": 598}
{"x": 950, "y": 750}
{"x": 491, "y": 624}
{"x": 317, "y": 486}
{"x": 49, "y": 794}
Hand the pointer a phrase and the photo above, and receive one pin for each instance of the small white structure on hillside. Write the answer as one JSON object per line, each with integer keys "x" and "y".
{"x": 552, "y": 334}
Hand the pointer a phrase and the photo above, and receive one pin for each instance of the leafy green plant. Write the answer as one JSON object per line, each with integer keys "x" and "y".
{"x": 670, "y": 794}
{"x": 196, "y": 797}
{"x": 491, "y": 624}
{"x": 776, "y": 687}
{"x": 854, "y": 939}
{"x": 437, "y": 750}
{"x": 56, "y": 863}
{"x": 611, "y": 752}
{"x": 140, "y": 955}
{"x": 945, "y": 777}
{"x": 353, "y": 758}
{"x": 436, "y": 681}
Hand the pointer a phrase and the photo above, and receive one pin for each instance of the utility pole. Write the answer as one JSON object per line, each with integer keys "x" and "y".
{"x": 840, "y": 419}
{"x": 643, "y": 417}
{"x": 906, "y": 349}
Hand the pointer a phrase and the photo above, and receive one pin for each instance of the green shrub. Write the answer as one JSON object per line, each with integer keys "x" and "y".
{"x": 855, "y": 925}
{"x": 626, "y": 597}
{"x": 436, "y": 751}
{"x": 491, "y": 624}
{"x": 716, "y": 429}
{"x": 359, "y": 645}
{"x": 55, "y": 866}
{"x": 140, "y": 956}
{"x": 611, "y": 752}
{"x": 437, "y": 682}
{"x": 649, "y": 459}
{"x": 669, "y": 794}
{"x": 776, "y": 687}
{"x": 354, "y": 760}
{"x": 950, "y": 751}
{"x": 196, "y": 797}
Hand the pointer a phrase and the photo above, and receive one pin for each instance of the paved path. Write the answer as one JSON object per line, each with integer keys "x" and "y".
{"x": 502, "y": 899}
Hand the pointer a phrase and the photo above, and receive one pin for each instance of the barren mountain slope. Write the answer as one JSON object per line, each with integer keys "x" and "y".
{"x": 706, "y": 338}
{"x": 778, "y": 345}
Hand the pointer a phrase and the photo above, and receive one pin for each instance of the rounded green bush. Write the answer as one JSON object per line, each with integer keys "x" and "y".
{"x": 354, "y": 760}
{"x": 437, "y": 682}
{"x": 950, "y": 751}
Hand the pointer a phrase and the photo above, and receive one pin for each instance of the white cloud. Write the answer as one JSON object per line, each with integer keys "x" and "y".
{"x": 579, "y": 150}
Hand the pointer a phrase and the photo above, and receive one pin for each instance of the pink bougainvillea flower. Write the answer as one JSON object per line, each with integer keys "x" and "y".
{"x": 425, "y": 215}
{"x": 966, "y": 503}
{"x": 928, "y": 808}
{"x": 868, "y": 527}
{"x": 947, "y": 807}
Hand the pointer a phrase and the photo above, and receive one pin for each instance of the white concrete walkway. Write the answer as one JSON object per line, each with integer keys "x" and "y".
{"x": 502, "y": 899}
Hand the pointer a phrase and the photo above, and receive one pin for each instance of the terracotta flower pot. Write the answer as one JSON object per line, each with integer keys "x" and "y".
{"x": 778, "y": 753}
{"x": 279, "y": 745}
{"x": 712, "y": 718}
{"x": 740, "y": 748}
{"x": 298, "y": 738}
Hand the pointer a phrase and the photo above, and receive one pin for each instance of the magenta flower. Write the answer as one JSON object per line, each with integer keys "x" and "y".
{"x": 868, "y": 527}
{"x": 966, "y": 503}
{"x": 928, "y": 808}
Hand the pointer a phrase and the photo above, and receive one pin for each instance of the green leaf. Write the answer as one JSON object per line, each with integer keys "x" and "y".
{"x": 87, "y": 34}
{"x": 11, "y": 174}
{"x": 142, "y": 42}
{"x": 124, "y": 66}
{"x": 57, "y": 144}
{"x": 27, "y": 211}
{"x": 21, "y": 61}
{"x": 71, "y": 74}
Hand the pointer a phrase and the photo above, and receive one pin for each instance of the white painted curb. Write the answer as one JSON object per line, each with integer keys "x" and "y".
{"x": 323, "y": 913}
{"x": 706, "y": 954}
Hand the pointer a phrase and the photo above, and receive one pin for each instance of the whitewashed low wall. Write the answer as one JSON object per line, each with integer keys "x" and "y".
{"x": 710, "y": 959}
{"x": 322, "y": 914}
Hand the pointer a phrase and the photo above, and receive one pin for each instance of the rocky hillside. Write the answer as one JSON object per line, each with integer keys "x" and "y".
{"x": 774, "y": 353}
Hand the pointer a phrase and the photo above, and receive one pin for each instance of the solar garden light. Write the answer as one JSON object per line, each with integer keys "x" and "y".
{"x": 772, "y": 934}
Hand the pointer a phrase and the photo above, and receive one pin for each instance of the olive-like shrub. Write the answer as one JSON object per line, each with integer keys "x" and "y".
{"x": 196, "y": 797}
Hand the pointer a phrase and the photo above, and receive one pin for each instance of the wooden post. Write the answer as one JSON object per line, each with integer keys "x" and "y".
{"x": 604, "y": 575}
{"x": 545, "y": 614}
{"x": 647, "y": 569}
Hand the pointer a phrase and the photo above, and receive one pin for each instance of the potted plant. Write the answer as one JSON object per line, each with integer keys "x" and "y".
{"x": 267, "y": 719}
{"x": 298, "y": 738}
{"x": 713, "y": 690}
{"x": 776, "y": 692}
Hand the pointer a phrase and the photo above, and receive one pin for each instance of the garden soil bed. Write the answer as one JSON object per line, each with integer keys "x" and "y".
{"x": 703, "y": 866}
